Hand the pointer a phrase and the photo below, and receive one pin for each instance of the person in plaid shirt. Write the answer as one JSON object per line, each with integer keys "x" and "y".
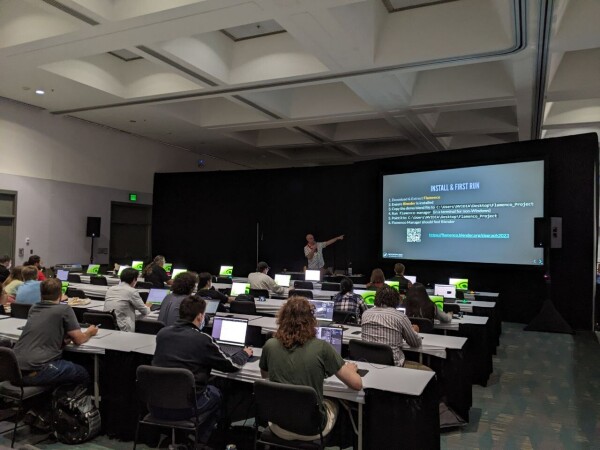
{"x": 349, "y": 302}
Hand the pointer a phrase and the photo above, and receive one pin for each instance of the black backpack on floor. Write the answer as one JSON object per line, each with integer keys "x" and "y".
{"x": 75, "y": 418}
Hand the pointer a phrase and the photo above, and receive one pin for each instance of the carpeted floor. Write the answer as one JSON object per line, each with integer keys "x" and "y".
{"x": 544, "y": 394}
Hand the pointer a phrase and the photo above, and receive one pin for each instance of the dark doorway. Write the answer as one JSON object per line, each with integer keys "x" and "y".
{"x": 8, "y": 222}
{"x": 130, "y": 233}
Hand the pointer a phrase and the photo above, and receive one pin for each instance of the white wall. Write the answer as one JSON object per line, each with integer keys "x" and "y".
{"x": 65, "y": 170}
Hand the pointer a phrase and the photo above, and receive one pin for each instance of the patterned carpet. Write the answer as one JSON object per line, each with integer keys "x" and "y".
{"x": 544, "y": 394}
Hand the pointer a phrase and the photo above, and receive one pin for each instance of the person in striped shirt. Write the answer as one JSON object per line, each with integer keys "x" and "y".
{"x": 384, "y": 324}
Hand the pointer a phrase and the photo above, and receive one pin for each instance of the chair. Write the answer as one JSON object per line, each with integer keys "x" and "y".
{"x": 300, "y": 292}
{"x": 148, "y": 326}
{"x": 425, "y": 325}
{"x": 99, "y": 281}
{"x": 20, "y": 310}
{"x": 10, "y": 385}
{"x": 181, "y": 394}
{"x": 144, "y": 285}
{"x": 254, "y": 336}
{"x": 451, "y": 308}
{"x": 370, "y": 352}
{"x": 334, "y": 287}
{"x": 144, "y": 296}
{"x": 72, "y": 292}
{"x": 224, "y": 280}
{"x": 73, "y": 278}
{"x": 242, "y": 307}
{"x": 105, "y": 319}
{"x": 344, "y": 317}
{"x": 303, "y": 284}
{"x": 273, "y": 402}
{"x": 259, "y": 293}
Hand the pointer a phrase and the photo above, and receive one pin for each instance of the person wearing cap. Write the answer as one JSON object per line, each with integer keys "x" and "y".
{"x": 260, "y": 279}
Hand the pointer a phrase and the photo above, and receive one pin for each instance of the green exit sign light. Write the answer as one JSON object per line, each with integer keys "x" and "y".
{"x": 133, "y": 197}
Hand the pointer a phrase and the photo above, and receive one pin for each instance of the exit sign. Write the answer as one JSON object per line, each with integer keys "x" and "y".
{"x": 133, "y": 197}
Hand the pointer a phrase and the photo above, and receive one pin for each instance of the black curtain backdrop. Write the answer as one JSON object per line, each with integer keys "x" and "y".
{"x": 206, "y": 219}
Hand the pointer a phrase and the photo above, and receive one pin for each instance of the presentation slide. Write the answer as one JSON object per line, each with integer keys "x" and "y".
{"x": 471, "y": 214}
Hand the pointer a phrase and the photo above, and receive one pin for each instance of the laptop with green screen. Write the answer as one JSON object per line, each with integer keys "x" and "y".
{"x": 65, "y": 286}
{"x": 168, "y": 267}
{"x": 438, "y": 300}
{"x": 138, "y": 265}
{"x": 226, "y": 271}
{"x": 460, "y": 283}
{"x": 393, "y": 284}
{"x": 239, "y": 289}
{"x": 93, "y": 269}
{"x": 368, "y": 296}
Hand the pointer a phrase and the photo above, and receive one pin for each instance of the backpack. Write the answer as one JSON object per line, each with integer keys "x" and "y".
{"x": 75, "y": 418}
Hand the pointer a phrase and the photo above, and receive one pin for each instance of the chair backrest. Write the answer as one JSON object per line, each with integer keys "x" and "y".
{"x": 451, "y": 307}
{"x": 425, "y": 325}
{"x": 273, "y": 402}
{"x": 166, "y": 387}
{"x": 300, "y": 292}
{"x": 148, "y": 326}
{"x": 99, "y": 281}
{"x": 370, "y": 352}
{"x": 303, "y": 284}
{"x": 20, "y": 310}
{"x": 105, "y": 319}
{"x": 258, "y": 293}
{"x": 72, "y": 292}
{"x": 9, "y": 367}
{"x": 344, "y": 317}
{"x": 224, "y": 280}
{"x": 326, "y": 286}
{"x": 254, "y": 336}
{"x": 144, "y": 296}
{"x": 242, "y": 307}
{"x": 144, "y": 285}
{"x": 73, "y": 278}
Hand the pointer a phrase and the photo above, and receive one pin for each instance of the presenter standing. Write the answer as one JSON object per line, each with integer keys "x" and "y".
{"x": 314, "y": 251}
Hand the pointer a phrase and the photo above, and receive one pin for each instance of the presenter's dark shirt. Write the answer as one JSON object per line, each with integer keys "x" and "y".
{"x": 158, "y": 277}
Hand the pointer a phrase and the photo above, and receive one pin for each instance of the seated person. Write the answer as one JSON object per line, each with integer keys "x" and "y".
{"x": 347, "y": 301}
{"x": 295, "y": 356}
{"x": 377, "y": 279}
{"x": 206, "y": 290}
{"x": 384, "y": 324}
{"x": 184, "y": 345}
{"x": 183, "y": 286}
{"x": 418, "y": 304}
{"x": 35, "y": 260}
{"x": 403, "y": 283}
{"x": 155, "y": 273}
{"x": 29, "y": 291}
{"x": 49, "y": 326}
{"x": 125, "y": 300}
{"x": 5, "y": 263}
{"x": 12, "y": 283}
{"x": 260, "y": 279}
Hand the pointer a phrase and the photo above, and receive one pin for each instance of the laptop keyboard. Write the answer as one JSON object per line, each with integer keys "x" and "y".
{"x": 230, "y": 350}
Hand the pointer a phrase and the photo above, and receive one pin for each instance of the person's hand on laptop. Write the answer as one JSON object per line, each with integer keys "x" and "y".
{"x": 415, "y": 327}
{"x": 249, "y": 351}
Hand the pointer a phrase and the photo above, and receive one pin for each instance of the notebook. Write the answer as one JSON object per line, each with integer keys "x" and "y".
{"x": 393, "y": 284}
{"x": 445, "y": 290}
{"x": 62, "y": 275}
{"x": 368, "y": 296}
{"x": 168, "y": 267}
{"x": 177, "y": 272}
{"x": 460, "y": 283}
{"x": 93, "y": 269}
{"x": 283, "y": 280}
{"x": 138, "y": 265}
{"x": 333, "y": 335}
{"x": 312, "y": 275}
{"x": 239, "y": 288}
{"x": 226, "y": 271}
{"x": 230, "y": 334}
{"x": 211, "y": 307}
{"x": 156, "y": 296}
{"x": 411, "y": 278}
{"x": 323, "y": 310}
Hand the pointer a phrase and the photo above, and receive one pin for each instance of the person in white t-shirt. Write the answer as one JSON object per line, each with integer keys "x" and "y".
{"x": 314, "y": 251}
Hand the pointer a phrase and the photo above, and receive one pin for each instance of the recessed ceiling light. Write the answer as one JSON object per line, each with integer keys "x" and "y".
{"x": 40, "y": 91}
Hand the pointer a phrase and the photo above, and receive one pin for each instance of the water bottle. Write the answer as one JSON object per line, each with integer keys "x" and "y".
{"x": 350, "y": 268}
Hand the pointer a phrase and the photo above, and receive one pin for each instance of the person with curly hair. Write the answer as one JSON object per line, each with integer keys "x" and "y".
{"x": 183, "y": 286}
{"x": 295, "y": 356}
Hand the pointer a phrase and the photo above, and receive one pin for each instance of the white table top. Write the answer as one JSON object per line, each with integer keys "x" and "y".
{"x": 474, "y": 320}
{"x": 112, "y": 281}
{"x": 92, "y": 290}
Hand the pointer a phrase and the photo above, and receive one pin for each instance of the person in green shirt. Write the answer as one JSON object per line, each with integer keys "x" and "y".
{"x": 295, "y": 356}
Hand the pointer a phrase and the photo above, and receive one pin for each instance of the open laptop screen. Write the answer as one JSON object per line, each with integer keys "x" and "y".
{"x": 156, "y": 296}
{"x": 333, "y": 335}
{"x": 368, "y": 296}
{"x": 62, "y": 275}
{"x": 460, "y": 283}
{"x": 168, "y": 267}
{"x": 121, "y": 269}
{"x": 93, "y": 269}
{"x": 211, "y": 307}
{"x": 393, "y": 284}
{"x": 229, "y": 330}
{"x": 226, "y": 271}
{"x": 323, "y": 309}
{"x": 177, "y": 272}
{"x": 138, "y": 265}
{"x": 283, "y": 280}
{"x": 402, "y": 309}
{"x": 312, "y": 275}
{"x": 445, "y": 290}
{"x": 239, "y": 288}
{"x": 411, "y": 278}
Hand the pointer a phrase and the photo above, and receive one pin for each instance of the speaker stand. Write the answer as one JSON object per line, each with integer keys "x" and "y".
{"x": 549, "y": 319}
{"x": 92, "y": 251}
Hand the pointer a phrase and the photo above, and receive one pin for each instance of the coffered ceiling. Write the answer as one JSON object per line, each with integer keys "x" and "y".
{"x": 281, "y": 83}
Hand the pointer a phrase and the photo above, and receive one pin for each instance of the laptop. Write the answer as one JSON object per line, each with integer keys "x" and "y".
{"x": 333, "y": 335}
{"x": 62, "y": 275}
{"x": 121, "y": 269}
{"x": 393, "y": 284}
{"x": 368, "y": 296}
{"x": 230, "y": 334}
{"x": 65, "y": 286}
{"x": 211, "y": 307}
{"x": 323, "y": 310}
{"x": 168, "y": 267}
{"x": 138, "y": 265}
{"x": 283, "y": 280}
{"x": 239, "y": 289}
{"x": 93, "y": 269}
{"x": 460, "y": 283}
{"x": 438, "y": 300}
{"x": 411, "y": 278}
{"x": 226, "y": 271}
{"x": 312, "y": 275}
{"x": 401, "y": 309}
{"x": 177, "y": 272}
{"x": 155, "y": 297}
{"x": 448, "y": 291}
